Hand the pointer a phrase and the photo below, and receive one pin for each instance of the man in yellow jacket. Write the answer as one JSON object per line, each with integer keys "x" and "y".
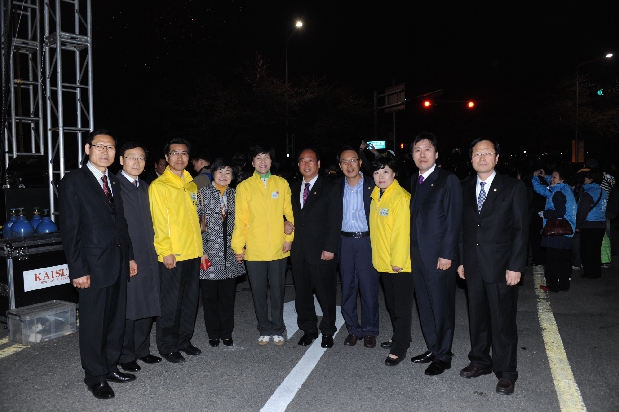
{"x": 173, "y": 205}
{"x": 261, "y": 203}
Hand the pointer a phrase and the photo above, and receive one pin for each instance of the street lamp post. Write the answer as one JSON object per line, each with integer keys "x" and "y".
{"x": 577, "y": 148}
{"x": 298, "y": 25}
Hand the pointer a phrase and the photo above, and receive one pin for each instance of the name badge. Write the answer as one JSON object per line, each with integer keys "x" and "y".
{"x": 384, "y": 212}
{"x": 275, "y": 195}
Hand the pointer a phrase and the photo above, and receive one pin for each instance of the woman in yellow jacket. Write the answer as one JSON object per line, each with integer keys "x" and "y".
{"x": 390, "y": 237}
{"x": 258, "y": 237}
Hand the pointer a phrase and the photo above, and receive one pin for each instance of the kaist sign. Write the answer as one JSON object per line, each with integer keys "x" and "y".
{"x": 46, "y": 277}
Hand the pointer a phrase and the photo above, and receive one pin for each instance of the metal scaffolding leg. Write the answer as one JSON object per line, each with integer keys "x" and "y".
{"x": 22, "y": 106}
{"x": 68, "y": 84}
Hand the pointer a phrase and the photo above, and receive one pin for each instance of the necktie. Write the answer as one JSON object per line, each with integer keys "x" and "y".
{"x": 421, "y": 179}
{"x": 108, "y": 193}
{"x": 305, "y": 193}
{"x": 482, "y": 196}
{"x": 135, "y": 183}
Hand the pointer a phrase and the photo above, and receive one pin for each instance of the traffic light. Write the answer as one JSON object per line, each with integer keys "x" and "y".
{"x": 401, "y": 145}
{"x": 470, "y": 104}
{"x": 600, "y": 92}
{"x": 427, "y": 103}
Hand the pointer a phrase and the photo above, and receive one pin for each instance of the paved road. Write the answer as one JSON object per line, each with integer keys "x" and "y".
{"x": 47, "y": 376}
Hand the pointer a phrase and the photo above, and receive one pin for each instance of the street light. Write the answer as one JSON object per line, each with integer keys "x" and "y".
{"x": 608, "y": 56}
{"x": 297, "y": 26}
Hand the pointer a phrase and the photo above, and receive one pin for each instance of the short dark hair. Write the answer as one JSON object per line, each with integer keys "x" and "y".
{"x": 257, "y": 149}
{"x": 497, "y": 147}
{"x": 131, "y": 145}
{"x": 98, "y": 132}
{"x": 381, "y": 161}
{"x": 595, "y": 175}
{"x": 310, "y": 149}
{"x": 344, "y": 149}
{"x": 425, "y": 136}
{"x": 222, "y": 163}
{"x": 177, "y": 140}
{"x": 200, "y": 155}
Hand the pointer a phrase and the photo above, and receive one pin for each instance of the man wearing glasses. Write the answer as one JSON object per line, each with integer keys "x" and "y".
{"x": 143, "y": 290}
{"x": 356, "y": 269}
{"x": 99, "y": 253}
{"x": 495, "y": 232}
{"x": 178, "y": 243}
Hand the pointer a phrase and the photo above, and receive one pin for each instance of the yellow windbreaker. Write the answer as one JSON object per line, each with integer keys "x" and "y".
{"x": 390, "y": 229}
{"x": 173, "y": 206}
{"x": 259, "y": 218}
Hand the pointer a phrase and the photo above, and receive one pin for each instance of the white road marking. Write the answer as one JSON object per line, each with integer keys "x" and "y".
{"x": 287, "y": 390}
{"x": 570, "y": 399}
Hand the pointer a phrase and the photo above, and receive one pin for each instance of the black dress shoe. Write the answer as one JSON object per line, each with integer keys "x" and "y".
{"x": 228, "y": 341}
{"x": 101, "y": 390}
{"x": 505, "y": 387}
{"x": 393, "y": 361}
{"x": 351, "y": 340}
{"x": 472, "y": 372}
{"x": 369, "y": 341}
{"x": 120, "y": 377}
{"x": 130, "y": 366}
{"x": 174, "y": 357}
{"x": 437, "y": 367}
{"x": 327, "y": 341}
{"x": 308, "y": 338}
{"x": 426, "y": 357}
{"x": 386, "y": 345}
{"x": 151, "y": 359}
{"x": 190, "y": 350}
{"x": 213, "y": 342}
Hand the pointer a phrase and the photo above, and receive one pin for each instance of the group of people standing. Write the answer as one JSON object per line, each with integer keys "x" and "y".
{"x": 137, "y": 251}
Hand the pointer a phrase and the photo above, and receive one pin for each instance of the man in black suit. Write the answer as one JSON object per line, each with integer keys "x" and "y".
{"x": 99, "y": 253}
{"x": 160, "y": 165}
{"x": 317, "y": 210}
{"x": 494, "y": 255}
{"x": 436, "y": 222}
{"x": 355, "y": 254}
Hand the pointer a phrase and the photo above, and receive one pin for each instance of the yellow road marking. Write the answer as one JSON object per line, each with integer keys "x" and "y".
{"x": 3, "y": 341}
{"x": 568, "y": 393}
{"x": 11, "y": 350}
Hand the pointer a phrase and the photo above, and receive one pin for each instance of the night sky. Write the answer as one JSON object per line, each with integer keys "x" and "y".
{"x": 498, "y": 53}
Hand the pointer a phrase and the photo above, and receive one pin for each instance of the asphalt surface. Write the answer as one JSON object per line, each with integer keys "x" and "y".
{"x": 48, "y": 376}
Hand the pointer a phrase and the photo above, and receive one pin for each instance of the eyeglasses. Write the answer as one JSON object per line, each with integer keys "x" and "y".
{"x": 175, "y": 154}
{"x": 134, "y": 158}
{"x": 479, "y": 155}
{"x": 101, "y": 147}
{"x": 349, "y": 161}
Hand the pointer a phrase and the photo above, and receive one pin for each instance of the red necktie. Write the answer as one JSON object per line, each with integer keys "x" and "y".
{"x": 108, "y": 193}
{"x": 305, "y": 193}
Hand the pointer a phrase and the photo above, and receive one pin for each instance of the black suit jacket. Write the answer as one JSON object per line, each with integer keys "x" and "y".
{"x": 439, "y": 219}
{"x": 495, "y": 240}
{"x": 94, "y": 239}
{"x": 319, "y": 223}
{"x": 368, "y": 186}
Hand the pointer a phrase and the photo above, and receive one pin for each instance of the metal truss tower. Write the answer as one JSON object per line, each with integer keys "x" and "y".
{"x": 68, "y": 84}
{"x": 22, "y": 78}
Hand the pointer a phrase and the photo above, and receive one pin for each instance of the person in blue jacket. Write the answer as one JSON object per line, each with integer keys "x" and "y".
{"x": 560, "y": 204}
{"x": 591, "y": 222}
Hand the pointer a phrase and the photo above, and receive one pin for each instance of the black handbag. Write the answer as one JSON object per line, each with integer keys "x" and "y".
{"x": 557, "y": 227}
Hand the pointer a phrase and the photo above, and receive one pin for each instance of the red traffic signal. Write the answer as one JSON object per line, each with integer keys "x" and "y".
{"x": 427, "y": 103}
{"x": 470, "y": 104}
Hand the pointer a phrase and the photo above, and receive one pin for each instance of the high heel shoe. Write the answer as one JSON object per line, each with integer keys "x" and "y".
{"x": 227, "y": 342}
{"x": 213, "y": 342}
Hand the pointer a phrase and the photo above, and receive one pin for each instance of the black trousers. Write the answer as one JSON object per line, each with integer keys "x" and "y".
{"x": 492, "y": 324}
{"x": 591, "y": 250}
{"x": 102, "y": 327}
{"x": 136, "y": 343}
{"x": 218, "y": 304}
{"x": 322, "y": 279}
{"x": 399, "y": 302}
{"x": 435, "y": 292}
{"x": 179, "y": 305}
{"x": 558, "y": 269}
